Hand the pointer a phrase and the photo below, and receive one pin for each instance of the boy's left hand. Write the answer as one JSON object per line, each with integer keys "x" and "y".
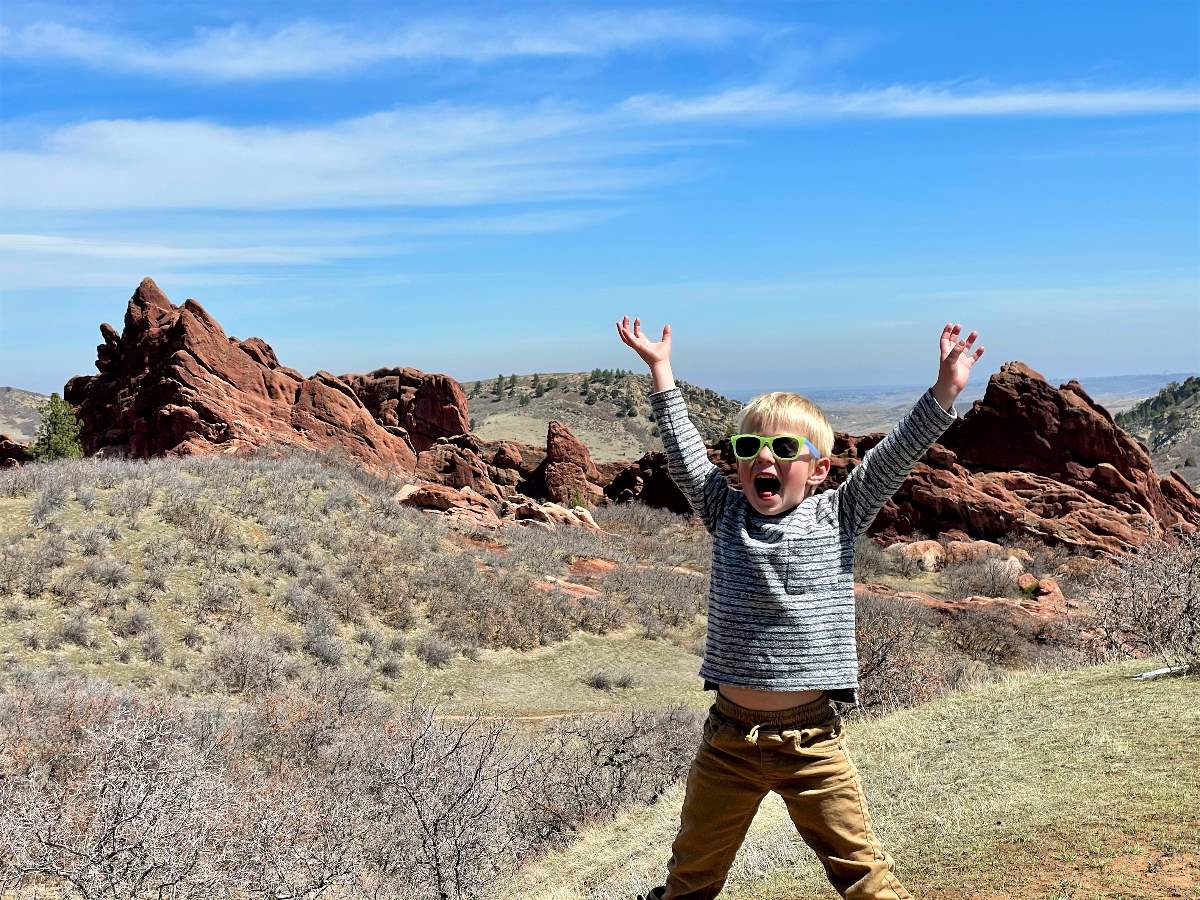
{"x": 955, "y": 368}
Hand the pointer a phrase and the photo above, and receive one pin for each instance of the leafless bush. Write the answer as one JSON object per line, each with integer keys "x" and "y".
{"x": 321, "y": 643}
{"x": 245, "y": 662}
{"x": 1148, "y": 603}
{"x": 869, "y": 561}
{"x": 316, "y": 791}
{"x": 12, "y": 566}
{"x": 433, "y": 651}
{"x": 132, "y": 623}
{"x": 53, "y": 551}
{"x": 78, "y": 630}
{"x": 153, "y": 646}
{"x": 68, "y": 586}
{"x": 92, "y": 542}
{"x": 897, "y": 667}
{"x": 135, "y": 809}
{"x": 87, "y": 497}
{"x": 131, "y": 498}
{"x": 109, "y": 573}
{"x": 215, "y": 595}
{"x": 988, "y": 635}
{"x": 987, "y": 577}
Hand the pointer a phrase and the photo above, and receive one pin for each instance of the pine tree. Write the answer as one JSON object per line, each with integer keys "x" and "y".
{"x": 57, "y": 432}
{"x": 537, "y": 381}
{"x": 498, "y": 390}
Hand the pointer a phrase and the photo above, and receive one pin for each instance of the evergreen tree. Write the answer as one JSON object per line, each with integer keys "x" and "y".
{"x": 498, "y": 389}
{"x": 537, "y": 381}
{"x": 524, "y": 398}
{"x": 539, "y": 390}
{"x": 57, "y": 432}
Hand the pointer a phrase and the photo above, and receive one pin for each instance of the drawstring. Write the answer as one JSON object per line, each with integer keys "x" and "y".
{"x": 752, "y": 737}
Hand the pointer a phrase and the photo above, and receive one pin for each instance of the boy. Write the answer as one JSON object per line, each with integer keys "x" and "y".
{"x": 780, "y": 645}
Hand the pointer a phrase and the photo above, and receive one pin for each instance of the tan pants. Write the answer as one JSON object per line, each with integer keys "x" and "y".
{"x": 800, "y": 754}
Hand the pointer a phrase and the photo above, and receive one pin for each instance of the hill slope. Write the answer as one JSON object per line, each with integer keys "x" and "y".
{"x": 1075, "y": 786}
{"x": 1169, "y": 424}
{"x": 527, "y": 403}
{"x": 19, "y": 413}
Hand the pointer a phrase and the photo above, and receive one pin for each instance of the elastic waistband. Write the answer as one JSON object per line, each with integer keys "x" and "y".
{"x": 819, "y": 710}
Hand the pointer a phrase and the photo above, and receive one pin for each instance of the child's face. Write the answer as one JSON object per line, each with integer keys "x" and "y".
{"x": 796, "y": 478}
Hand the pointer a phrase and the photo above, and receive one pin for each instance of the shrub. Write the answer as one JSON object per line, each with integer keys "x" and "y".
{"x": 245, "y": 662}
{"x": 77, "y": 630}
{"x": 433, "y": 651}
{"x": 869, "y": 561}
{"x": 988, "y": 577}
{"x": 1148, "y": 603}
{"x": 896, "y": 665}
{"x": 132, "y": 623}
{"x": 601, "y": 681}
{"x": 987, "y": 635}
{"x": 153, "y": 646}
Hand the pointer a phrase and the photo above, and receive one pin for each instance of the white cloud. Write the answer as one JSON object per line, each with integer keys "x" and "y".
{"x": 768, "y": 103}
{"x": 429, "y": 156}
{"x": 310, "y": 48}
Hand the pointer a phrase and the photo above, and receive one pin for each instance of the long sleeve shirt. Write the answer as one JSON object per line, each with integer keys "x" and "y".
{"x": 781, "y": 592}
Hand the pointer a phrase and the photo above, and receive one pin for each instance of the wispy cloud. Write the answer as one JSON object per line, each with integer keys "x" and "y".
{"x": 439, "y": 155}
{"x": 311, "y": 48}
{"x": 30, "y": 260}
{"x": 771, "y": 103}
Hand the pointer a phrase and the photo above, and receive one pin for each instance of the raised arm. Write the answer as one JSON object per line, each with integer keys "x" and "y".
{"x": 693, "y": 472}
{"x": 886, "y": 465}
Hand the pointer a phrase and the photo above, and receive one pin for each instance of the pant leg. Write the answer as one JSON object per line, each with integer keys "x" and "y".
{"x": 724, "y": 788}
{"x": 825, "y": 799}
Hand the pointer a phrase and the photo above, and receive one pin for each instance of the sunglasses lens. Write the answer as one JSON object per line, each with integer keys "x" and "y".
{"x": 785, "y": 447}
{"x": 746, "y": 446}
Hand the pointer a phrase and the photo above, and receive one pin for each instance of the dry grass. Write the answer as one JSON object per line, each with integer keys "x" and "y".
{"x": 983, "y": 793}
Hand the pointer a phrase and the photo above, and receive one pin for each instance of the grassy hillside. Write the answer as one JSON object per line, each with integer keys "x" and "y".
{"x": 19, "y": 413}
{"x": 608, "y": 410}
{"x": 1080, "y": 785}
{"x": 1169, "y": 424}
{"x": 217, "y": 575}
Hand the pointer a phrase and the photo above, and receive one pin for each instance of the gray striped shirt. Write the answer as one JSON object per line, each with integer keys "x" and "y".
{"x": 781, "y": 595}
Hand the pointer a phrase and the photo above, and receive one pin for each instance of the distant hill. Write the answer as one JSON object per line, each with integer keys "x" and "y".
{"x": 1169, "y": 424}
{"x": 608, "y": 409}
{"x": 19, "y": 413}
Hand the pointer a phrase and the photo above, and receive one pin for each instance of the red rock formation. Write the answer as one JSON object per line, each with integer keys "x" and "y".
{"x": 13, "y": 454}
{"x": 1027, "y": 458}
{"x": 173, "y": 383}
{"x": 423, "y": 406}
{"x": 568, "y": 472}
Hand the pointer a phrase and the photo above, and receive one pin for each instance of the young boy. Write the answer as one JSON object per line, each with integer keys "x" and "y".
{"x": 780, "y": 645}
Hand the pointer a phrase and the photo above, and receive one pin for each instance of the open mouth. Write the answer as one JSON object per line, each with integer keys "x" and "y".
{"x": 766, "y": 486}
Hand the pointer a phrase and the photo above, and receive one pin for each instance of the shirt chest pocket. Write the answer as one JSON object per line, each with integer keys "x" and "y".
{"x": 813, "y": 565}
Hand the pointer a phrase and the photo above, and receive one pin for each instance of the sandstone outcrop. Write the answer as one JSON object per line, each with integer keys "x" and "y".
{"x": 1026, "y": 459}
{"x": 173, "y": 383}
{"x": 12, "y": 453}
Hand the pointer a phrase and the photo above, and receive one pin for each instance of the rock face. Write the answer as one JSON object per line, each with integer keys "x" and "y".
{"x": 568, "y": 474}
{"x": 422, "y": 407}
{"x": 12, "y": 453}
{"x": 1027, "y": 458}
{"x": 1047, "y": 462}
{"x": 173, "y": 383}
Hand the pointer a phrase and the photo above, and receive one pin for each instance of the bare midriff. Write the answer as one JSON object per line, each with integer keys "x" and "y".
{"x": 752, "y": 698}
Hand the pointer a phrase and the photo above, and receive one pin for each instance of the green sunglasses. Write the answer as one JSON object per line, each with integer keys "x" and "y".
{"x": 783, "y": 446}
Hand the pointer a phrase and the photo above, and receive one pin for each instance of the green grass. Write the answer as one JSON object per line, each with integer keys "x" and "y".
{"x": 1060, "y": 785}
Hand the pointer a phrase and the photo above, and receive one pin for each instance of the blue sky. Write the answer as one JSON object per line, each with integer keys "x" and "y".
{"x": 807, "y": 192}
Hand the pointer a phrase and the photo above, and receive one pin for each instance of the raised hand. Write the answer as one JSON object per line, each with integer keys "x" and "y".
{"x": 650, "y": 351}
{"x": 957, "y": 360}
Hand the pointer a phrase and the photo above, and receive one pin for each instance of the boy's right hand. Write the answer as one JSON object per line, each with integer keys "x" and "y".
{"x": 651, "y": 352}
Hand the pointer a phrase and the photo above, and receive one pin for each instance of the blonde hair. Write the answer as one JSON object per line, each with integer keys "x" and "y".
{"x": 788, "y": 412}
